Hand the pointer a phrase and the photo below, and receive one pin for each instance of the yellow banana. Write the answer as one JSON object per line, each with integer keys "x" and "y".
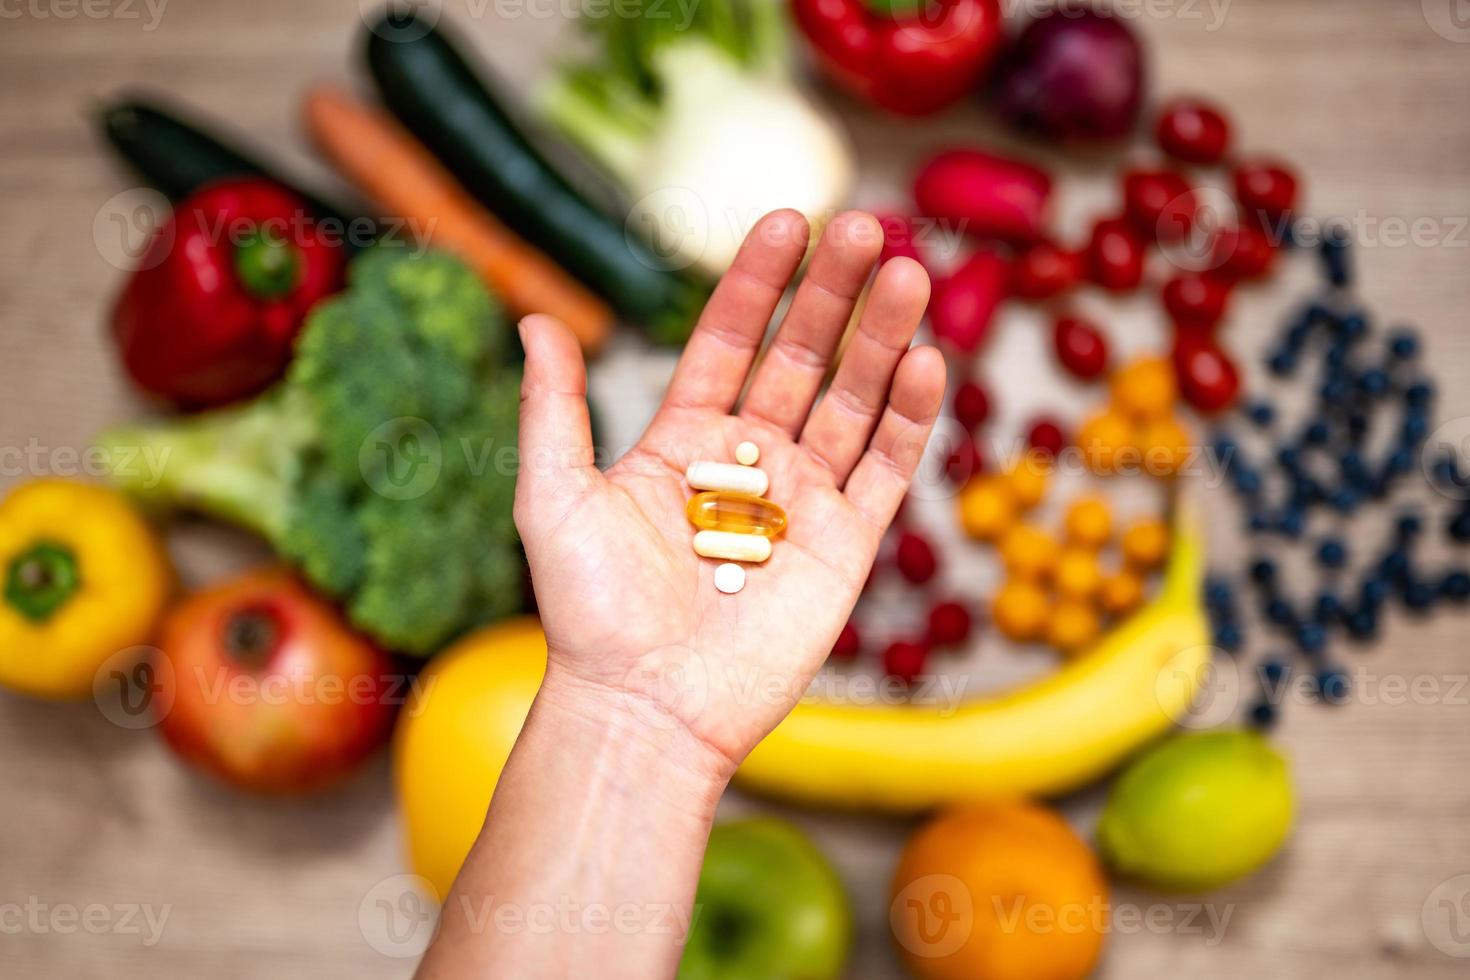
{"x": 1041, "y": 739}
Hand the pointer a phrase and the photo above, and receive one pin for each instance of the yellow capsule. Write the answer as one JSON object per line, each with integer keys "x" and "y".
{"x": 717, "y": 510}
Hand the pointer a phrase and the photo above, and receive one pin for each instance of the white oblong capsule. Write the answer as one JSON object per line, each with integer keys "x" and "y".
{"x": 729, "y": 546}
{"x": 709, "y": 475}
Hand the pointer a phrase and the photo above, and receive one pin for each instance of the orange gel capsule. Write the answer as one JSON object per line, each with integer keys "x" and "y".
{"x": 718, "y": 510}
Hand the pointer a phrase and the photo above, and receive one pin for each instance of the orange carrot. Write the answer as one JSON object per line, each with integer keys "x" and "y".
{"x": 399, "y": 174}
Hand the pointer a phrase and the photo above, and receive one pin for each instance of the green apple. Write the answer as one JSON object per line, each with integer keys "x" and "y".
{"x": 1198, "y": 811}
{"x": 769, "y": 907}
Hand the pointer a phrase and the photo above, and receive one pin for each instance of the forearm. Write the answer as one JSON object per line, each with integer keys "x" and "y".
{"x": 590, "y": 853}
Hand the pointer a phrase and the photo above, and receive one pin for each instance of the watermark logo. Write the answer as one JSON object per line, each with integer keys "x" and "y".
{"x": 1450, "y": 441}
{"x": 402, "y": 458}
{"x": 672, "y": 223}
{"x": 126, "y": 225}
{"x": 399, "y": 916}
{"x": 134, "y": 688}
{"x": 668, "y": 686}
{"x": 1199, "y": 688}
{"x": 1446, "y": 917}
{"x": 933, "y": 916}
{"x": 41, "y": 918}
{"x": 401, "y": 20}
{"x": 1450, "y": 19}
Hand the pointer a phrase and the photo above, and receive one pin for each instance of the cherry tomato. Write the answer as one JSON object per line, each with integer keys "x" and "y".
{"x": 1047, "y": 437}
{"x": 904, "y": 660}
{"x": 1195, "y": 301}
{"x": 964, "y": 462}
{"x": 1208, "y": 377}
{"x": 1265, "y": 188}
{"x": 1115, "y": 255}
{"x": 1194, "y": 131}
{"x": 1159, "y": 203}
{"x": 1044, "y": 270}
{"x": 1081, "y": 347}
{"x": 849, "y": 643}
{"x": 915, "y": 558}
{"x": 971, "y": 405}
{"x": 1241, "y": 252}
{"x": 949, "y": 624}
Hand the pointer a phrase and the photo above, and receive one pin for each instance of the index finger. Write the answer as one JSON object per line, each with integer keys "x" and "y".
{"x": 718, "y": 356}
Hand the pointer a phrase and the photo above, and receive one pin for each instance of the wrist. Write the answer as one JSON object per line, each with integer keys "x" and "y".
{"x": 638, "y": 741}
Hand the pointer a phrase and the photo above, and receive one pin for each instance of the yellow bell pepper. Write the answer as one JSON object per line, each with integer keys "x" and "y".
{"x": 83, "y": 577}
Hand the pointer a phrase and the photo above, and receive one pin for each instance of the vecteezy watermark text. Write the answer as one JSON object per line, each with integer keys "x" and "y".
{"x": 38, "y": 917}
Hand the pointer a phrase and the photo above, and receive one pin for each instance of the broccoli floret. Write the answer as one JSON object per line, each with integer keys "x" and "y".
{"x": 382, "y": 465}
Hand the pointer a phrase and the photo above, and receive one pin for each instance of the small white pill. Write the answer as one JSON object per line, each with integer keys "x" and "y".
{"x": 729, "y": 578}
{"x": 730, "y": 477}
{"x": 747, "y": 454}
{"x": 731, "y": 546}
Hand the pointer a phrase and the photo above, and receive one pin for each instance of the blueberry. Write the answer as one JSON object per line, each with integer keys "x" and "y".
{"x": 1362, "y": 624}
{"x": 1419, "y": 394}
{"x": 1446, "y": 469}
{"x": 1353, "y": 327}
{"x": 1311, "y": 638}
{"x": 1455, "y": 586}
{"x": 1374, "y": 382}
{"x": 1218, "y": 593}
{"x": 1459, "y": 527}
{"x": 1335, "y": 263}
{"x": 1336, "y": 358}
{"x": 1263, "y": 571}
{"x": 1319, "y": 313}
{"x": 1246, "y": 480}
{"x": 1327, "y": 609}
{"x": 1399, "y": 462}
{"x": 1274, "y": 671}
{"x": 1332, "y": 553}
{"x": 1229, "y": 638}
{"x": 1395, "y": 566}
{"x": 1332, "y": 684}
{"x": 1260, "y": 413}
{"x": 1279, "y": 611}
{"x": 1258, "y": 522}
{"x": 1263, "y": 715}
{"x": 1345, "y": 500}
{"x": 1292, "y": 522}
{"x": 1408, "y": 526}
{"x": 1414, "y": 429}
{"x": 1403, "y": 344}
{"x": 1281, "y": 363}
{"x": 1419, "y": 596}
{"x": 1374, "y": 592}
{"x": 1289, "y": 458}
{"x": 1357, "y": 426}
{"x": 1351, "y": 463}
{"x": 1225, "y": 446}
{"x": 1297, "y": 335}
{"x": 1316, "y": 434}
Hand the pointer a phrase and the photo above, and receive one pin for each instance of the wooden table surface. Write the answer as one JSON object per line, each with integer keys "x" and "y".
{"x": 1367, "y": 97}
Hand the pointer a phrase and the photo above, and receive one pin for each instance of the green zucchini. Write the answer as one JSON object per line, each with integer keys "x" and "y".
{"x": 452, "y": 110}
{"x": 177, "y": 158}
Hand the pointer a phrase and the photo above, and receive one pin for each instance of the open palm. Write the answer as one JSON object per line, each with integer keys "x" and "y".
{"x": 627, "y": 605}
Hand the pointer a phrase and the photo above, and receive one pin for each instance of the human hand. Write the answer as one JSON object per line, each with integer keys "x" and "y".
{"x": 631, "y": 614}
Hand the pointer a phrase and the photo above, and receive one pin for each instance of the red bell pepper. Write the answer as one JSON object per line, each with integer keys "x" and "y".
{"x": 213, "y": 310}
{"x": 910, "y": 63}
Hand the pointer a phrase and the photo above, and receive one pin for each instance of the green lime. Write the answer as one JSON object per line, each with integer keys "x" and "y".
{"x": 1198, "y": 811}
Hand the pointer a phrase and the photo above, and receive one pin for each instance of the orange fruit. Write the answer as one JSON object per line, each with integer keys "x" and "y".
{"x": 1145, "y": 388}
{"x": 1002, "y": 891}
{"x": 1089, "y": 522}
{"x": 1107, "y": 443}
{"x": 1122, "y": 592}
{"x": 1019, "y": 611}
{"x": 987, "y": 509}
{"x": 1072, "y": 626}
{"x": 1165, "y": 445}
{"x": 1028, "y": 479}
{"x": 1028, "y": 552}
{"x": 1077, "y": 575}
{"x": 1145, "y": 544}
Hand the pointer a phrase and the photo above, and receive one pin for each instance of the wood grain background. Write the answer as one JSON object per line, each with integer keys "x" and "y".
{"x": 1368, "y": 97}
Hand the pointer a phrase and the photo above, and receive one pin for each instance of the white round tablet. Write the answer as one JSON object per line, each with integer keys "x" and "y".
{"x": 730, "y": 578}
{"x": 747, "y": 454}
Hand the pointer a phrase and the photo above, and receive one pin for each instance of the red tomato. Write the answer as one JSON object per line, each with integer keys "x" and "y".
{"x": 1047, "y": 437}
{"x": 1195, "y": 301}
{"x": 1265, "y": 188}
{"x": 1115, "y": 255}
{"x": 1080, "y": 347}
{"x": 1242, "y": 252}
{"x": 905, "y": 660}
{"x": 949, "y": 624}
{"x": 1044, "y": 270}
{"x": 1159, "y": 203}
{"x": 915, "y": 558}
{"x": 268, "y": 689}
{"x": 1208, "y": 378}
{"x": 1194, "y": 131}
{"x": 971, "y": 405}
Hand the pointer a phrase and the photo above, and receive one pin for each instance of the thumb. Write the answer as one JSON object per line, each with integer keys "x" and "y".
{"x": 557, "y": 461}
